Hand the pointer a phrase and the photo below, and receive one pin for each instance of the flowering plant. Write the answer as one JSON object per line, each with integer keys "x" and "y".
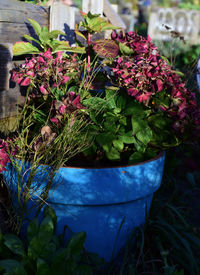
{"x": 118, "y": 100}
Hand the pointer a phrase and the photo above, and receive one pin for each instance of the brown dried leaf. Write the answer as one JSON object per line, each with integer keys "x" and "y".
{"x": 46, "y": 131}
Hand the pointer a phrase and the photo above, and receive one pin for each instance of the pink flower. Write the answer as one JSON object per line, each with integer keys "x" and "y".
{"x": 71, "y": 93}
{"x": 55, "y": 84}
{"x": 62, "y": 109}
{"x": 119, "y": 60}
{"x": 18, "y": 80}
{"x": 143, "y": 97}
{"x": 47, "y": 54}
{"x": 159, "y": 84}
{"x": 43, "y": 90}
{"x": 40, "y": 59}
{"x": 76, "y": 102}
{"x": 54, "y": 120}
{"x": 26, "y": 82}
{"x": 132, "y": 91}
{"x": 4, "y": 158}
{"x": 30, "y": 64}
{"x": 59, "y": 55}
{"x": 31, "y": 73}
{"x": 65, "y": 79}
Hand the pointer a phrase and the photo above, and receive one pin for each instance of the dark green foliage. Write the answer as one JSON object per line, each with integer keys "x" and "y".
{"x": 42, "y": 252}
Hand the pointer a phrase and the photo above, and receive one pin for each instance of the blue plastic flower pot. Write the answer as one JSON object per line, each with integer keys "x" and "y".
{"x": 106, "y": 203}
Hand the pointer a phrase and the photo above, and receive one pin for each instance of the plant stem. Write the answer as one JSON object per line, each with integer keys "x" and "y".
{"x": 89, "y": 42}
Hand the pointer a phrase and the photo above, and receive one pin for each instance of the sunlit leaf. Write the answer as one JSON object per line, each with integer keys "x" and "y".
{"x": 20, "y": 48}
{"x": 35, "y": 25}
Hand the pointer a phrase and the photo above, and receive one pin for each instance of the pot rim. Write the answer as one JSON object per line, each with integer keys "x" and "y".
{"x": 117, "y": 166}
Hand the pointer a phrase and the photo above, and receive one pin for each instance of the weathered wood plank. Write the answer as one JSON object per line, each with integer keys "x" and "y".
{"x": 19, "y": 16}
{"x": 5, "y": 65}
{"x": 18, "y": 6}
{"x": 13, "y": 32}
{"x": 9, "y": 101}
{"x": 13, "y": 19}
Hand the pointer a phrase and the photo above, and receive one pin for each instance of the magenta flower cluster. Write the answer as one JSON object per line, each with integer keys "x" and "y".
{"x": 44, "y": 72}
{"x": 69, "y": 104}
{"x": 144, "y": 74}
{"x": 4, "y": 158}
{"x": 50, "y": 76}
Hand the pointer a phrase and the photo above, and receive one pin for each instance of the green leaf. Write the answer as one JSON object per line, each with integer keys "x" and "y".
{"x": 127, "y": 138}
{"x": 84, "y": 270}
{"x": 46, "y": 230}
{"x": 140, "y": 147}
{"x": 21, "y": 48}
{"x": 136, "y": 109}
{"x": 162, "y": 99}
{"x": 14, "y": 244}
{"x": 33, "y": 228}
{"x": 95, "y": 103}
{"x": 136, "y": 157}
{"x": 55, "y": 33}
{"x": 144, "y": 135}
{"x": 159, "y": 121}
{"x": 105, "y": 138}
{"x": 50, "y": 212}
{"x": 12, "y": 267}
{"x": 113, "y": 154}
{"x": 61, "y": 47}
{"x": 28, "y": 37}
{"x": 178, "y": 73}
{"x": 165, "y": 58}
{"x": 94, "y": 23}
{"x": 116, "y": 110}
{"x": 121, "y": 102}
{"x": 109, "y": 125}
{"x": 125, "y": 50}
{"x": 44, "y": 37}
{"x": 141, "y": 130}
{"x": 123, "y": 121}
{"x": 42, "y": 267}
{"x": 111, "y": 97}
{"x": 75, "y": 244}
{"x": 60, "y": 262}
{"x": 138, "y": 124}
{"x": 80, "y": 34}
{"x": 118, "y": 144}
{"x": 107, "y": 147}
{"x": 36, "y": 26}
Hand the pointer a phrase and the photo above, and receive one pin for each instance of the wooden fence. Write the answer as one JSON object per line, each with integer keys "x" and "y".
{"x": 14, "y": 24}
{"x": 186, "y": 22}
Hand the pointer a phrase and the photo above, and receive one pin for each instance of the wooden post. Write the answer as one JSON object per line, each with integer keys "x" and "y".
{"x": 62, "y": 18}
{"x": 60, "y": 15}
{"x": 94, "y": 6}
{"x": 112, "y": 16}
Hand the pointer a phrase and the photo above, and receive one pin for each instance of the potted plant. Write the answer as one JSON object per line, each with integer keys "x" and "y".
{"x": 91, "y": 135}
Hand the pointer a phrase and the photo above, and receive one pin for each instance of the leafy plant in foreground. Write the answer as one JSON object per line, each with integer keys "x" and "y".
{"x": 42, "y": 252}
